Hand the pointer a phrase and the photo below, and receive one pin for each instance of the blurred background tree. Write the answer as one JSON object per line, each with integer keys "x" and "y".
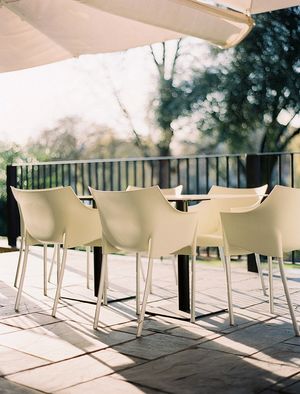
{"x": 250, "y": 98}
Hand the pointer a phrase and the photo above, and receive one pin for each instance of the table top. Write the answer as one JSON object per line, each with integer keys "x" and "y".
{"x": 194, "y": 197}
{"x": 210, "y": 196}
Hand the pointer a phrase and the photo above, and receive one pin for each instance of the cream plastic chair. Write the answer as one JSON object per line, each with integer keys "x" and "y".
{"x": 21, "y": 251}
{"x": 209, "y": 226}
{"x": 271, "y": 229}
{"x": 170, "y": 191}
{"x": 56, "y": 216}
{"x": 143, "y": 221}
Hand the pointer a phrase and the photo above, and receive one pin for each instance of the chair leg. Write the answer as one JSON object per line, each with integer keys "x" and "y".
{"x": 193, "y": 288}
{"x": 88, "y": 250}
{"x": 143, "y": 272}
{"x": 271, "y": 293}
{"x": 58, "y": 263}
{"x": 105, "y": 289}
{"x": 100, "y": 292}
{"x": 137, "y": 283}
{"x": 145, "y": 297}
{"x": 259, "y": 270}
{"x": 17, "y": 304}
{"x": 229, "y": 289}
{"x": 59, "y": 283}
{"x": 174, "y": 261}
{"x": 45, "y": 269}
{"x": 52, "y": 262}
{"x": 19, "y": 262}
{"x": 222, "y": 256}
{"x": 288, "y": 297}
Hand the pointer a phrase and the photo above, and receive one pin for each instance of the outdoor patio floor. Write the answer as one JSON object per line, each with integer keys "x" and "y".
{"x": 39, "y": 353}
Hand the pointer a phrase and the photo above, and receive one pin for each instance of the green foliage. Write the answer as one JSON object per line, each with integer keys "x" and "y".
{"x": 9, "y": 154}
{"x": 240, "y": 97}
{"x": 73, "y": 139}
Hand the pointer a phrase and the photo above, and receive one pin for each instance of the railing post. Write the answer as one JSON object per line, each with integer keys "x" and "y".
{"x": 253, "y": 177}
{"x": 13, "y": 220}
{"x": 163, "y": 180}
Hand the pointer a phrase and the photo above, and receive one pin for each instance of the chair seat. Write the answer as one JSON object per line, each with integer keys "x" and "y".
{"x": 210, "y": 240}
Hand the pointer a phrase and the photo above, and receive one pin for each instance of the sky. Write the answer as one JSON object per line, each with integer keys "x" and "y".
{"x": 34, "y": 99}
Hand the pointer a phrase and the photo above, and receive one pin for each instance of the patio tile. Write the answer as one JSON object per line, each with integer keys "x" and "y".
{"x": 12, "y": 361}
{"x": 280, "y": 353}
{"x": 151, "y": 325}
{"x": 65, "y": 355}
{"x": 253, "y": 338}
{"x": 154, "y": 346}
{"x": 7, "y": 387}
{"x": 41, "y": 343}
{"x": 75, "y": 371}
{"x": 112, "y": 314}
{"x": 115, "y": 386}
{"x": 289, "y": 386}
{"x": 62, "y": 340}
{"x": 193, "y": 331}
{"x": 29, "y": 320}
{"x": 208, "y": 371}
{"x": 4, "y": 329}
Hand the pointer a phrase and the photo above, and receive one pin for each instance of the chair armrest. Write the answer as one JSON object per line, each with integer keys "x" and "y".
{"x": 250, "y": 232}
{"x": 84, "y": 227}
{"x": 174, "y": 231}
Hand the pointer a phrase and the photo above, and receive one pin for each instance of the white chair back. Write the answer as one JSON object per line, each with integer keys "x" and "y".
{"x": 135, "y": 221}
{"x": 55, "y": 215}
{"x": 271, "y": 229}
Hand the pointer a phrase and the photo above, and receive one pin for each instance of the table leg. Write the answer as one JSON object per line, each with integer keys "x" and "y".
{"x": 97, "y": 268}
{"x": 183, "y": 283}
{"x": 183, "y": 272}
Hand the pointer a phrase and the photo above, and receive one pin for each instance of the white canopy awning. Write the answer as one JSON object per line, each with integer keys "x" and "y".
{"x": 258, "y": 6}
{"x": 36, "y": 32}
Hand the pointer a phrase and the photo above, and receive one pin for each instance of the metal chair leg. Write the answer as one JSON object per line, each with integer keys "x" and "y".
{"x": 45, "y": 268}
{"x": 137, "y": 283}
{"x": 52, "y": 262}
{"x": 145, "y": 297}
{"x": 174, "y": 264}
{"x": 271, "y": 293}
{"x": 100, "y": 292}
{"x": 17, "y": 303}
{"x": 229, "y": 289}
{"x": 258, "y": 264}
{"x": 19, "y": 262}
{"x": 59, "y": 283}
{"x": 193, "y": 288}
{"x": 288, "y": 297}
{"x": 88, "y": 251}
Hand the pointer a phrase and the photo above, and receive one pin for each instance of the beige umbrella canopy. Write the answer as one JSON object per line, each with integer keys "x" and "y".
{"x": 36, "y": 32}
{"x": 258, "y": 6}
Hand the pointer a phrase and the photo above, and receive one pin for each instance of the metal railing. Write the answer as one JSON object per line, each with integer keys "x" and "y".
{"x": 196, "y": 173}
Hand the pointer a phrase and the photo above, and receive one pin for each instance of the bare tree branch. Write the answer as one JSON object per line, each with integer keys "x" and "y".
{"x": 156, "y": 62}
{"x": 163, "y": 62}
{"x": 176, "y": 56}
{"x": 138, "y": 140}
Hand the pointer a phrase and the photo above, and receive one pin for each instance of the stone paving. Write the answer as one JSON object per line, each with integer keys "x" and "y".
{"x": 64, "y": 355}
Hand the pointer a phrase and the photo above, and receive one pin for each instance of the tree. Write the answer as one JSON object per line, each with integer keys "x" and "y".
{"x": 173, "y": 63}
{"x": 10, "y": 153}
{"x": 250, "y": 98}
{"x": 73, "y": 139}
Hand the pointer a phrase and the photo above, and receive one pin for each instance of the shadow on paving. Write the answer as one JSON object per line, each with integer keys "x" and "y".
{"x": 65, "y": 355}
